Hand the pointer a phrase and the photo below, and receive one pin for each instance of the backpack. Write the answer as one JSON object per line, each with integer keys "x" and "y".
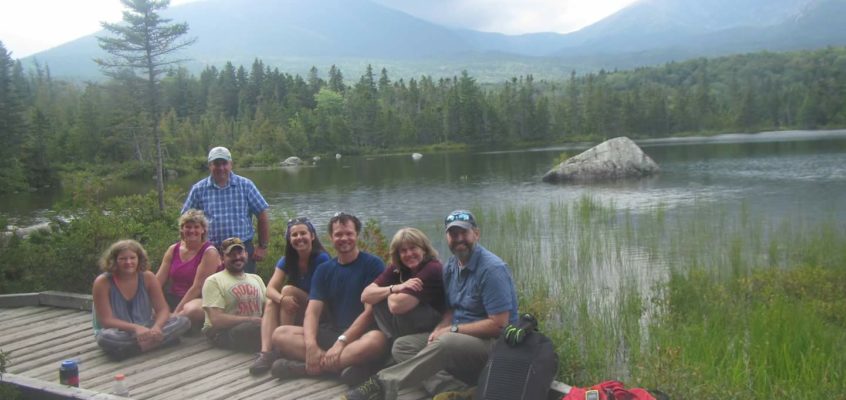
{"x": 613, "y": 390}
{"x": 520, "y": 366}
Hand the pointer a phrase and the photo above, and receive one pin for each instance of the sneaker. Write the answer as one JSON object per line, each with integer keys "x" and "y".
{"x": 263, "y": 362}
{"x": 284, "y": 368}
{"x": 355, "y": 375}
{"x": 458, "y": 395}
{"x": 371, "y": 389}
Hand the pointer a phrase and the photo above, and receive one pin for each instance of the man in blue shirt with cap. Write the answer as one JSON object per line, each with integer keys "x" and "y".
{"x": 481, "y": 300}
{"x": 229, "y": 202}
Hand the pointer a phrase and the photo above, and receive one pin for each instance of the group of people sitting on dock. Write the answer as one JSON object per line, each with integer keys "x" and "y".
{"x": 379, "y": 330}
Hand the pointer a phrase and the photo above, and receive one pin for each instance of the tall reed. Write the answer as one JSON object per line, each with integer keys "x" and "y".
{"x": 705, "y": 303}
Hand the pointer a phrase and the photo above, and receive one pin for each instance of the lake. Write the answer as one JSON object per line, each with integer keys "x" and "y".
{"x": 781, "y": 174}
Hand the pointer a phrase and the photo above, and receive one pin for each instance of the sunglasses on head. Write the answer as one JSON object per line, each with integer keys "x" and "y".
{"x": 298, "y": 220}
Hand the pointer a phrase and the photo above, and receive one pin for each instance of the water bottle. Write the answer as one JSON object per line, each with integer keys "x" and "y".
{"x": 69, "y": 373}
{"x": 120, "y": 388}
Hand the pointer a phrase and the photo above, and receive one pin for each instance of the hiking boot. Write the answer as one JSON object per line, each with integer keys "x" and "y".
{"x": 288, "y": 369}
{"x": 263, "y": 362}
{"x": 458, "y": 395}
{"x": 355, "y": 375}
{"x": 371, "y": 389}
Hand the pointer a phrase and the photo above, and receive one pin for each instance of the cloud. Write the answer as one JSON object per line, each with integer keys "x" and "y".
{"x": 511, "y": 16}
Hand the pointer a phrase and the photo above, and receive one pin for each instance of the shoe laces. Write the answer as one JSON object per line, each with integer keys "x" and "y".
{"x": 370, "y": 387}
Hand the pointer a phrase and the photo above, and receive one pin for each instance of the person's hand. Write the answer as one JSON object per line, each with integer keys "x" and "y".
{"x": 259, "y": 253}
{"x": 146, "y": 338}
{"x": 414, "y": 284}
{"x": 437, "y": 333}
{"x": 289, "y": 304}
{"x": 141, "y": 331}
{"x": 179, "y": 309}
{"x": 314, "y": 357}
{"x": 332, "y": 359}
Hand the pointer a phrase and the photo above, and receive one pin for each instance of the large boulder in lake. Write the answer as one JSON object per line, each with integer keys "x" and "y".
{"x": 617, "y": 158}
{"x": 291, "y": 162}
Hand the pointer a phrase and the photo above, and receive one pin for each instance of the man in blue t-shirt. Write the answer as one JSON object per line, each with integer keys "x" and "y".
{"x": 480, "y": 299}
{"x": 345, "y": 340}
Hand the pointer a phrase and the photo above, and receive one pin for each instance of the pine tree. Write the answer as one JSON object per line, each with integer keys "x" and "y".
{"x": 144, "y": 42}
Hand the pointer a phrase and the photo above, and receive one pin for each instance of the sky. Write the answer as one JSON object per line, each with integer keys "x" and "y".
{"x": 30, "y": 26}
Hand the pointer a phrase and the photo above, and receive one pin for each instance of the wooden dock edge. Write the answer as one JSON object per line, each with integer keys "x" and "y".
{"x": 31, "y": 388}
{"x": 51, "y": 298}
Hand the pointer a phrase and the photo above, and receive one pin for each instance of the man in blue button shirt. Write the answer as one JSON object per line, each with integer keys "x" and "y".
{"x": 481, "y": 300}
{"x": 229, "y": 202}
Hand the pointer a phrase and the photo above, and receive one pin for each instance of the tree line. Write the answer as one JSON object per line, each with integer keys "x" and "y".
{"x": 267, "y": 115}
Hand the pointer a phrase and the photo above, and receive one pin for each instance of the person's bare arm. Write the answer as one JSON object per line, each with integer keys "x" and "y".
{"x": 208, "y": 266}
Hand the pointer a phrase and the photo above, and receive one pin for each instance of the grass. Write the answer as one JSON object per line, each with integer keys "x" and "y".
{"x": 714, "y": 303}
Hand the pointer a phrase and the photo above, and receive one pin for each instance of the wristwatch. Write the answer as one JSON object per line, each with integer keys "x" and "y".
{"x": 454, "y": 328}
{"x": 342, "y": 339}
{"x": 262, "y": 245}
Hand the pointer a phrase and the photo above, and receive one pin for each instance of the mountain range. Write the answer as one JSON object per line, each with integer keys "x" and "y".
{"x": 296, "y": 34}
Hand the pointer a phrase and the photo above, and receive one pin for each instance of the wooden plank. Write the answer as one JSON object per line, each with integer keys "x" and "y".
{"x": 198, "y": 387}
{"x": 84, "y": 360}
{"x": 30, "y": 318}
{"x": 162, "y": 358}
{"x": 190, "y": 372}
{"x": 77, "y": 349}
{"x": 79, "y": 343}
{"x": 261, "y": 386}
{"x": 230, "y": 388}
{"x": 45, "y": 323}
{"x": 41, "y": 390}
{"x": 323, "y": 389}
{"x": 75, "y": 301}
{"x": 18, "y": 300}
{"x": 7, "y": 314}
{"x": 557, "y": 390}
{"x": 287, "y": 389}
{"x": 37, "y": 335}
{"x": 154, "y": 371}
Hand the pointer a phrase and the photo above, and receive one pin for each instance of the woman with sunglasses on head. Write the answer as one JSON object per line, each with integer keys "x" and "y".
{"x": 286, "y": 304}
{"x": 185, "y": 266}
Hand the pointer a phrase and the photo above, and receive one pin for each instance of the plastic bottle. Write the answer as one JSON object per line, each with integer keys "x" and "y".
{"x": 120, "y": 388}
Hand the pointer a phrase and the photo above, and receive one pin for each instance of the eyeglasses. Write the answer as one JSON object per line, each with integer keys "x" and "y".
{"x": 340, "y": 214}
{"x": 459, "y": 216}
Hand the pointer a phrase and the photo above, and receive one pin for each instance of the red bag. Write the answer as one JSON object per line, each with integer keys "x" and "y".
{"x": 610, "y": 390}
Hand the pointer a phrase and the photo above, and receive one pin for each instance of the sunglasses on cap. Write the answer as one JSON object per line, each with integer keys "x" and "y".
{"x": 460, "y": 216}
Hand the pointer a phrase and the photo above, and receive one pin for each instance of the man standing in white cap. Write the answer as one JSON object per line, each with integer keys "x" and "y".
{"x": 229, "y": 201}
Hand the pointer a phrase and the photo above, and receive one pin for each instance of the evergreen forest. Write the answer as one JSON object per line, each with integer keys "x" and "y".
{"x": 265, "y": 115}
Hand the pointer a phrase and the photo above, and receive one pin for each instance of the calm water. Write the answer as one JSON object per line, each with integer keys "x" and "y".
{"x": 785, "y": 174}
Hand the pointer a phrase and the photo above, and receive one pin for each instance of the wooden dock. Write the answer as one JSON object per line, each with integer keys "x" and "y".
{"x": 40, "y": 330}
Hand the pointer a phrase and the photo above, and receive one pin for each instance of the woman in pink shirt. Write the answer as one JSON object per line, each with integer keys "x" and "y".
{"x": 186, "y": 265}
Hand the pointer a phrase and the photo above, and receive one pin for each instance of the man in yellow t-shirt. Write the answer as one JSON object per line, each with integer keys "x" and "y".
{"x": 233, "y": 301}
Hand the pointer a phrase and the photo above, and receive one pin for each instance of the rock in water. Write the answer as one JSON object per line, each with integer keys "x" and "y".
{"x": 291, "y": 162}
{"x": 617, "y": 158}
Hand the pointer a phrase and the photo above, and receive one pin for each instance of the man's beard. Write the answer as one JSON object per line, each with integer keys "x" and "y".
{"x": 463, "y": 254}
